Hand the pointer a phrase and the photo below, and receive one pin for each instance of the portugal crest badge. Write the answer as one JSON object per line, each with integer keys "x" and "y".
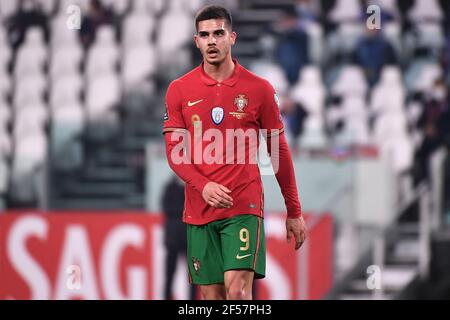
{"x": 241, "y": 101}
{"x": 196, "y": 264}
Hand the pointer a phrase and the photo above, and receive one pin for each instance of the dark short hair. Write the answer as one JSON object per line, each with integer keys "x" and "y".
{"x": 213, "y": 12}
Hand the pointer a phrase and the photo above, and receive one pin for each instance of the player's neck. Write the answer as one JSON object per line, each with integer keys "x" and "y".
{"x": 220, "y": 72}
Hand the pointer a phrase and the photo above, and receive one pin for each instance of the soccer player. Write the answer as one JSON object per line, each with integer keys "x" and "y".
{"x": 224, "y": 195}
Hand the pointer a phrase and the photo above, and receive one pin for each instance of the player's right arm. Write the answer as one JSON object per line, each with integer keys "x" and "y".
{"x": 174, "y": 129}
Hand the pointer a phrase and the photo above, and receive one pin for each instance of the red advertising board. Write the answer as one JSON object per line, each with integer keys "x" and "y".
{"x": 96, "y": 255}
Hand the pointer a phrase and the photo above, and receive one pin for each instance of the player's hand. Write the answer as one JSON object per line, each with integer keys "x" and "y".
{"x": 296, "y": 228}
{"x": 216, "y": 195}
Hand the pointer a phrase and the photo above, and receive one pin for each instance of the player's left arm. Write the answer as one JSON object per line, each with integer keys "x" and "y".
{"x": 285, "y": 175}
{"x": 280, "y": 156}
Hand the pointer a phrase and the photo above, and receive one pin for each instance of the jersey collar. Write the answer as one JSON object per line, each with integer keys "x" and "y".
{"x": 230, "y": 81}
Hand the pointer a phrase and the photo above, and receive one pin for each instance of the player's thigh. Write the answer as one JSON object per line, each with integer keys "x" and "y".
{"x": 204, "y": 255}
{"x": 243, "y": 244}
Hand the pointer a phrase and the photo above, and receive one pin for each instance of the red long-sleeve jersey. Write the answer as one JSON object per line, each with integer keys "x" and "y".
{"x": 212, "y": 133}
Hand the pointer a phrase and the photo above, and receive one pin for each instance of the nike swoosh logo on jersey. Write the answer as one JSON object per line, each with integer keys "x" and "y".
{"x": 190, "y": 104}
{"x": 242, "y": 257}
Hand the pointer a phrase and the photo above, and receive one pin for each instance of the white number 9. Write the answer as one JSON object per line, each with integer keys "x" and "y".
{"x": 244, "y": 236}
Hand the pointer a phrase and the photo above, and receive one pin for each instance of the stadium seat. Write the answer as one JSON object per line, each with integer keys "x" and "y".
{"x": 65, "y": 60}
{"x": 355, "y": 131}
{"x": 411, "y": 74}
{"x": 388, "y": 6}
{"x": 310, "y": 75}
{"x": 138, "y": 19}
{"x": 48, "y": 6}
{"x": 119, "y": 7}
{"x": 315, "y": 34}
{"x": 413, "y": 112}
{"x": 175, "y": 33}
{"x": 391, "y": 75}
{"x": 426, "y": 10}
{"x": 273, "y": 73}
{"x": 68, "y": 123}
{"x": 66, "y": 89}
{"x": 391, "y": 135}
{"x": 389, "y": 94}
{"x": 4, "y": 180}
{"x": 5, "y": 114}
{"x": 155, "y": 7}
{"x": 343, "y": 40}
{"x": 348, "y": 35}
{"x": 193, "y": 5}
{"x": 29, "y": 120}
{"x": 29, "y": 89}
{"x": 392, "y": 31}
{"x": 350, "y": 81}
{"x": 345, "y": 11}
{"x": 313, "y": 135}
{"x": 430, "y": 35}
{"x": 138, "y": 64}
{"x": 427, "y": 75}
{"x": 400, "y": 152}
{"x": 352, "y": 112}
{"x": 32, "y": 54}
{"x": 5, "y": 143}
{"x": 103, "y": 54}
{"x": 64, "y": 4}
{"x": 8, "y": 8}
{"x": 61, "y": 35}
{"x": 5, "y": 52}
{"x": 388, "y": 126}
{"x": 309, "y": 90}
{"x": 103, "y": 93}
{"x": 334, "y": 114}
{"x": 28, "y": 161}
{"x": 354, "y": 107}
{"x": 5, "y": 84}
{"x": 387, "y": 100}
{"x": 102, "y": 98}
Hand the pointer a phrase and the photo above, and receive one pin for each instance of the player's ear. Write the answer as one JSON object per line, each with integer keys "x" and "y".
{"x": 196, "y": 41}
{"x": 233, "y": 36}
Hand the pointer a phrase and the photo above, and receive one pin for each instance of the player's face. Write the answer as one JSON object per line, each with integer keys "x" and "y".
{"x": 214, "y": 39}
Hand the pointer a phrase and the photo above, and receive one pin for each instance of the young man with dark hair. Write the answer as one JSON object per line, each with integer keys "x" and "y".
{"x": 207, "y": 111}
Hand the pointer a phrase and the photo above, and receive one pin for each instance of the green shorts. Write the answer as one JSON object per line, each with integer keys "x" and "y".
{"x": 236, "y": 243}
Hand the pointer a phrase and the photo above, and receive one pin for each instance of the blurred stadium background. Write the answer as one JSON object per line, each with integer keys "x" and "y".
{"x": 82, "y": 161}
